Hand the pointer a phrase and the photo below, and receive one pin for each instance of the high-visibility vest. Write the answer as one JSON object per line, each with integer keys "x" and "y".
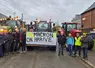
{"x": 78, "y": 41}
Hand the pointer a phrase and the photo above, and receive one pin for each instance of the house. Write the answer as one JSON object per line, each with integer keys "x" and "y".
{"x": 2, "y": 19}
{"x": 2, "y": 16}
{"x": 88, "y": 19}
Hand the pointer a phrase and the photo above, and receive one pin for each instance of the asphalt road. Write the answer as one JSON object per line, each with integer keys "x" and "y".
{"x": 41, "y": 59}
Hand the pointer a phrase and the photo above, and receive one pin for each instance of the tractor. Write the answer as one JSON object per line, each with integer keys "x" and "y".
{"x": 70, "y": 27}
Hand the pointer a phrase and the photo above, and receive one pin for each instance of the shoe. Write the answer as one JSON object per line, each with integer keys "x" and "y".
{"x": 24, "y": 51}
{"x": 63, "y": 54}
{"x": 74, "y": 56}
{"x": 58, "y": 54}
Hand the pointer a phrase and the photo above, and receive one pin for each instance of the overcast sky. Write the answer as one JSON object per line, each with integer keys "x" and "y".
{"x": 57, "y": 10}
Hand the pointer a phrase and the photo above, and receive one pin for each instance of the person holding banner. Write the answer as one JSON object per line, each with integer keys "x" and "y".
{"x": 61, "y": 42}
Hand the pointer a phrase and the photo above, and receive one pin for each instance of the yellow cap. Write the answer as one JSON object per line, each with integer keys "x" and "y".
{"x": 24, "y": 29}
{"x": 84, "y": 34}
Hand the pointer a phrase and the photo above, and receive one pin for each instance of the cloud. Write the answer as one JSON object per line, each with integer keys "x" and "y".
{"x": 58, "y": 10}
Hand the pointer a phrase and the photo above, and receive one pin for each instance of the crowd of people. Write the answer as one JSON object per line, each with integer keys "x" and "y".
{"x": 20, "y": 40}
{"x": 76, "y": 46}
{"x": 15, "y": 41}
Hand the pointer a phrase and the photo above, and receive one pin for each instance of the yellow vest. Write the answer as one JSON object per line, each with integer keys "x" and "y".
{"x": 78, "y": 41}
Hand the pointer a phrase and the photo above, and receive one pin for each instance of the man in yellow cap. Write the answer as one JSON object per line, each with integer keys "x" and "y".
{"x": 85, "y": 41}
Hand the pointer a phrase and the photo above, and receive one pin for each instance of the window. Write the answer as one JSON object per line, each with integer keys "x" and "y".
{"x": 71, "y": 26}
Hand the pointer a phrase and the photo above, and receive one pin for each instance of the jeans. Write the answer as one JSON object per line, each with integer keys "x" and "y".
{"x": 23, "y": 46}
{"x": 70, "y": 47}
{"x": 77, "y": 48}
{"x": 61, "y": 48}
{"x": 6, "y": 48}
{"x": 85, "y": 52}
{"x": 17, "y": 47}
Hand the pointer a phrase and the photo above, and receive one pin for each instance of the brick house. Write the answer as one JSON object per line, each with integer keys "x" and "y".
{"x": 88, "y": 19}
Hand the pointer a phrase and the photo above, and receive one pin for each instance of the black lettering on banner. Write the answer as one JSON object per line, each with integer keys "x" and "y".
{"x": 40, "y": 34}
{"x": 44, "y": 34}
{"x": 43, "y": 37}
{"x": 29, "y": 39}
{"x": 40, "y": 39}
{"x": 36, "y": 39}
{"x": 49, "y": 39}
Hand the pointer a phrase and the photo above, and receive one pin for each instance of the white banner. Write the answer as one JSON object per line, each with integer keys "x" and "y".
{"x": 41, "y": 38}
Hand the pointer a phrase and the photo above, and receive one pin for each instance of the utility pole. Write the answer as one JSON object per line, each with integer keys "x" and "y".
{"x": 22, "y": 17}
{"x": 14, "y": 14}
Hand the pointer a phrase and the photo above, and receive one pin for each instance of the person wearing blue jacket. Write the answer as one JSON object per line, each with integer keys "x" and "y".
{"x": 70, "y": 43}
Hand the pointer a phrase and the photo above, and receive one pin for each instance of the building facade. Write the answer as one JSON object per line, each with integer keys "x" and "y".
{"x": 88, "y": 19}
{"x": 2, "y": 16}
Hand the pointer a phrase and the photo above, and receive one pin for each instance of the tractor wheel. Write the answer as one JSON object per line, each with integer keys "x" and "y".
{"x": 91, "y": 45}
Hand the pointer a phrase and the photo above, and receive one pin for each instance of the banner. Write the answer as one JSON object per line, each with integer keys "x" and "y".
{"x": 42, "y": 38}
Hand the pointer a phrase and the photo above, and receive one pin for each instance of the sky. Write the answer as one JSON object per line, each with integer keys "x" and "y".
{"x": 56, "y": 10}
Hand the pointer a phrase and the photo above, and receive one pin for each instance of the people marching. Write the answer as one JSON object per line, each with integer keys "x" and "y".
{"x": 76, "y": 46}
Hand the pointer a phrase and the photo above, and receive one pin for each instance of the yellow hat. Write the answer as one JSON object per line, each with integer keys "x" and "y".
{"x": 84, "y": 34}
{"x": 24, "y": 29}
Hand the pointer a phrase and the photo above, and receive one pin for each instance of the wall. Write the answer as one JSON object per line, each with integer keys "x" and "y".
{"x": 86, "y": 21}
{"x": 89, "y": 21}
{"x": 93, "y": 18}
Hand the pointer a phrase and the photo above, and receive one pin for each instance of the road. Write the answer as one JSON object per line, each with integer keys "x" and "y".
{"x": 41, "y": 59}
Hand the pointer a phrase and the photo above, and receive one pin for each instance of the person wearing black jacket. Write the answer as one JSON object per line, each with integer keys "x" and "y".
{"x": 85, "y": 41}
{"x": 61, "y": 42}
{"x": 17, "y": 37}
{"x": 11, "y": 40}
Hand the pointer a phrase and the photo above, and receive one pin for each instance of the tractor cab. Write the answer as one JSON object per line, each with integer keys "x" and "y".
{"x": 42, "y": 26}
{"x": 70, "y": 27}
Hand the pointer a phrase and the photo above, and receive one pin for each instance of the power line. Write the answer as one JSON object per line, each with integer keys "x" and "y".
{"x": 6, "y": 7}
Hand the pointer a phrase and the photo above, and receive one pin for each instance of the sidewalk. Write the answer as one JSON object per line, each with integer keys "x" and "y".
{"x": 91, "y": 57}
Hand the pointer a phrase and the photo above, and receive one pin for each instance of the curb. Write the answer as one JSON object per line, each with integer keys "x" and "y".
{"x": 87, "y": 62}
